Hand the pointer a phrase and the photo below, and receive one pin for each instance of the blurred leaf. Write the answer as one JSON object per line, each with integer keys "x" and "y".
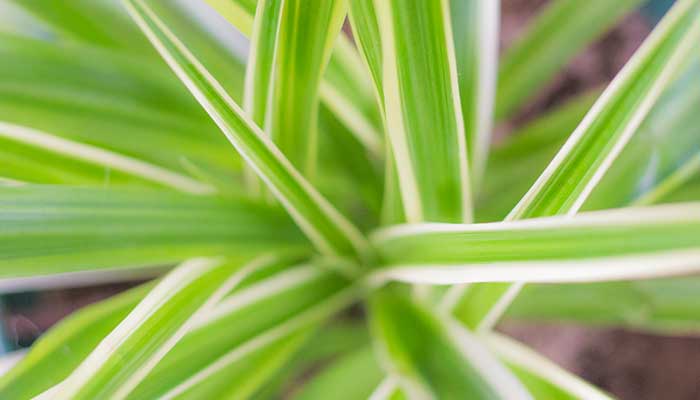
{"x": 83, "y": 20}
{"x": 107, "y": 100}
{"x": 543, "y": 378}
{"x": 53, "y": 230}
{"x": 588, "y": 153}
{"x": 130, "y": 351}
{"x": 667, "y": 306}
{"x": 556, "y": 35}
{"x": 59, "y": 351}
{"x": 475, "y": 31}
{"x": 85, "y": 163}
{"x": 353, "y": 376}
{"x": 666, "y": 144}
{"x": 433, "y": 356}
{"x": 266, "y": 314}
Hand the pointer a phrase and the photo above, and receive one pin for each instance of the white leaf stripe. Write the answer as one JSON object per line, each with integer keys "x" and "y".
{"x": 429, "y": 146}
{"x": 394, "y": 120}
{"x": 488, "y": 22}
{"x": 299, "y": 322}
{"x": 276, "y": 284}
{"x": 385, "y": 389}
{"x": 109, "y": 347}
{"x": 493, "y": 372}
{"x": 327, "y": 229}
{"x": 102, "y": 157}
{"x": 631, "y": 266}
{"x": 465, "y": 183}
{"x": 631, "y": 216}
{"x": 519, "y": 355}
{"x": 665, "y": 76}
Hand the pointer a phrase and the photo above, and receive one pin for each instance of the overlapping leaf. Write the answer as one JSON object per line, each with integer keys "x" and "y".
{"x": 434, "y": 357}
{"x": 578, "y": 167}
{"x": 327, "y": 229}
{"x": 149, "y": 331}
{"x": 344, "y": 91}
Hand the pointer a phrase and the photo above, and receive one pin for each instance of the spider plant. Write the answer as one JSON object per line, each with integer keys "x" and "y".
{"x": 338, "y": 205}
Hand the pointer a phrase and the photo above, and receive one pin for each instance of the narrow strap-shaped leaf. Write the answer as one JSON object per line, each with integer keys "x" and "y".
{"x": 664, "y": 146}
{"x": 287, "y": 304}
{"x": 105, "y": 99}
{"x": 344, "y": 90}
{"x": 663, "y": 306}
{"x": 597, "y": 141}
{"x": 475, "y": 29}
{"x": 50, "y": 233}
{"x": 433, "y": 356}
{"x": 307, "y": 31}
{"x": 516, "y": 162}
{"x": 578, "y": 167}
{"x": 560, "y": 32}
{"x": 365, "y": 27}
{"x": 47, "y": 362}
{"x": 422, "y": 110}
{"x": 620, "y": 244}
{"x": 543, "y": 378}
{"x": 328, "y": 230}
{"x": 260, "y": 69}
{"x": 82, "y": 20}
{"x": 360, "y": 366}
{"x": 151, "y": 329}
{"x": 101, "y": 157}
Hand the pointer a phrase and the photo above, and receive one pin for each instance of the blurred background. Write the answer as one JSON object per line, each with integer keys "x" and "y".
{"x": 630, "y": 365}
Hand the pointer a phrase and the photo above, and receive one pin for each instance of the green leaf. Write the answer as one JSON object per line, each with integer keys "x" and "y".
{"x": 567, "y": 182}
{"x": 587, "y": 155}
{"x": 433, "y": 356}
{"x": 302, "y": 50}
{"x": 56, "y": 230}
{"x": 83, "y": 20}
{"x": 543, "y": 378}
{"x": 104, "y": 99}
{"x": 290, "y": 48}
{"x": 556, "y": 35}
{"x": 422, "y": 110}
{"x": 667, "y": 144}
{"x": 265, "y": 314}
{"x": 475, "y": 31}
{"x": 99, "y": 160}
{"x": 663, "y": 306}
{"x": 601, "y": 245}
{"x": 329, "y": 231}
{"x": 66, "y": 345}
{"x": 365, "y": 27}
{"x": 516, "y": 162}
{"x": 128, "y": 353}
{"x": 344, "y": 90}
{"x": 353, "y": 376}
